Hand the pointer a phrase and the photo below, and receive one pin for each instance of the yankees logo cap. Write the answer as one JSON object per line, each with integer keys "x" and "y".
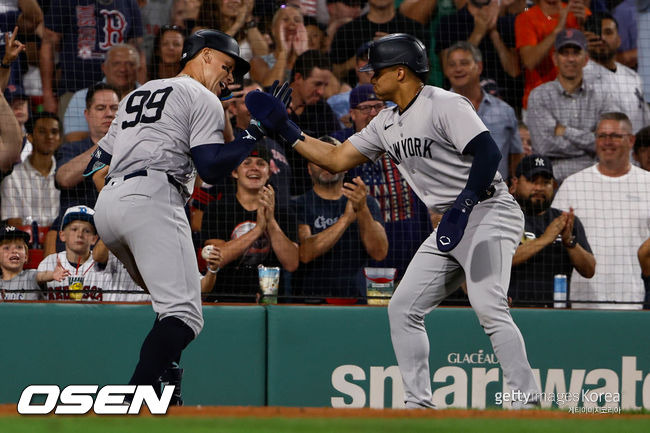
{"x": 11, "y": 232}
{"x": 533, "y": 165}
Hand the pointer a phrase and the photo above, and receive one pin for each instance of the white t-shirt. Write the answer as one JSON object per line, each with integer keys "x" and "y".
{"x": 615, "y": 212}
{"x": 95, "y": 280}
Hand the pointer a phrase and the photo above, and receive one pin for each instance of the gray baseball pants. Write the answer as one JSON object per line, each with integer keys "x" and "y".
{"x": 483, "y": 258}
{"x": 142, "y": 221}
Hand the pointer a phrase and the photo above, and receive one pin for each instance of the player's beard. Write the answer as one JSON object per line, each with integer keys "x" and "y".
{"x": 536, "y": 207}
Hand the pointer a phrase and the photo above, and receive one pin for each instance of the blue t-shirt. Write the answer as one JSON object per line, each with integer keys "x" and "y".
{"x": 88, "y": 30}
{"x": 338, "y": 272}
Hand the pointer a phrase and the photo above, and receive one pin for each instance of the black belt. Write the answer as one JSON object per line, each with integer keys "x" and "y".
{"x": 170, "y": 178}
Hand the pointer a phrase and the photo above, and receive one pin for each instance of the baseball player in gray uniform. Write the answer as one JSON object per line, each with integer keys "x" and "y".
{"x": 164, "y": 132}
{"x": 450, "y": 160}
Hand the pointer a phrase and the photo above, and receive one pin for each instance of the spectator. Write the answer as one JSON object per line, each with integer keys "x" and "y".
{"x": 289, "y": 41}
{"x": 11, "y": 136}
{"x": 612, "y": 198}
{"x": 405, "y": 217}
{"x": 78, "y": 233}
{"x": 340, "y": 12}
{"x": 563, "y": 113}
{"x": 609, "y": 76}
{"x": 316, "y": 35}
{"x": 168, "y": 49}
{"x": 382, "y": 19}
{"x": 82, "y": 32}
{"x": 28, "y": 194}
{"x": 536, "y": 30}
{"x": 19, "y": 102}
{"x": 463, "y": 67}
{"x": 309, "y": 110}
{"x": 340, "y": 228}
{"x": 554, "y": 242}
{"x": 644, "y": 261}
{"x": 626, "y": 17}
{"x": 340, "y": 103}
{"x": 27, "y": 16}
{"x": 156, "y": 14}
{"x": 480, "y": 24}
{"x": 279, "y": 166}
{"x": 18, "y": 283}
{"x": 72, "y": 158}
{"x": 122, "y": 288}
{"x": 249, "y": 231}
{"x": 185, "y": 13}
{"x": 120, "y": 67}
{"x": 234, "y": 17}
{"x": 642, "y": 148}
{"x": 524, "y": 134}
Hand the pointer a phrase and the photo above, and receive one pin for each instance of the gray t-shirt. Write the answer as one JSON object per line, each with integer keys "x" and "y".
{"x": 426, "y": 143}
{"x": 157, "y": 125}
{"x": 20, "y": 286}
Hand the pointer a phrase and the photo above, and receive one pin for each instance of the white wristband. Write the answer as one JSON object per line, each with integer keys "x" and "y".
{"x": 213, "y": 272}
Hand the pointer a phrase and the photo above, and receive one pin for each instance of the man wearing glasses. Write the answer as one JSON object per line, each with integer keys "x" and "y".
{"x": 612, "y": 199}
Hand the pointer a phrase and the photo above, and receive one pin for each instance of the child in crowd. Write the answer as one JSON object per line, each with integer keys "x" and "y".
{"x": 18, "y": 283}
{"x": 86, "y": 280}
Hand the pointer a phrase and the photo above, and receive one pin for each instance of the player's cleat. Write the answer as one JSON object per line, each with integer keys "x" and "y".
{"x": 173, "y": 376}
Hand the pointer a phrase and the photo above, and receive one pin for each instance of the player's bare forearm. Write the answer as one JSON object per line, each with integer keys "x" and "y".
{"x": 373, "y": 235}
{"x": 332, "y": 158}
{"x": 71, "y": 173}
{"x": 285, "y": 250}
{"x": 582, "y": 260}
{"x": 314, "y": 246}
{"x": 11, "y": 136}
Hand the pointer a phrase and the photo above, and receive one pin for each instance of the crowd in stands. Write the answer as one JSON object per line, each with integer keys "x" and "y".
{"x": 562, "y": 88}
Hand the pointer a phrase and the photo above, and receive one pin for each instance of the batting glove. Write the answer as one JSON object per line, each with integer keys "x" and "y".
{"x": 270, "y": 109}
{"x": 452, "y": 225}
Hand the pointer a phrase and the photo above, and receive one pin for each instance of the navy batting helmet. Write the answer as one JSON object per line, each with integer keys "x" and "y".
{"x": 398, "y": 49}
{"x": 216, "y": 40}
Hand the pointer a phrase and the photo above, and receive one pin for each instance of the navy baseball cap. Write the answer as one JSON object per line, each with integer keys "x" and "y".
{"x": 571, "y": 37}
{"x": 532, "y": 165}
{"x": 362, "y": 93}
{"x": 11, "y": 232}
{"x": 362, "y": 51}
{"x": 78, "y": 213}
{"x": 261, "y": 151}
{"x": 15, "y": 91}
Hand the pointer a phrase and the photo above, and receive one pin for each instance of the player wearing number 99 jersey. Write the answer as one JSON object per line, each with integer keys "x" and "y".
{"x": 165, "y": 132}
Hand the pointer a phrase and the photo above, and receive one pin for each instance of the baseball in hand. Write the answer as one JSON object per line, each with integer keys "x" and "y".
{"x": 206, "y": 251}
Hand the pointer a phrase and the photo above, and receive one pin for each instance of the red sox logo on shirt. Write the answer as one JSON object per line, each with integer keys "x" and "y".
{"x": 114, "y": 27}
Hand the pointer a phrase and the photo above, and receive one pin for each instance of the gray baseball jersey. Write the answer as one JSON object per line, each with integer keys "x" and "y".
{"x": 426, "y": 142}
{"x": 21, "y": 287}
{"x": 158, "y": 123}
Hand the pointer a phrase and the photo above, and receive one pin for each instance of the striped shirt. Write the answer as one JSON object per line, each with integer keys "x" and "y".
{"x": 550, "y": 105}
{"x": 26, "y": 194}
